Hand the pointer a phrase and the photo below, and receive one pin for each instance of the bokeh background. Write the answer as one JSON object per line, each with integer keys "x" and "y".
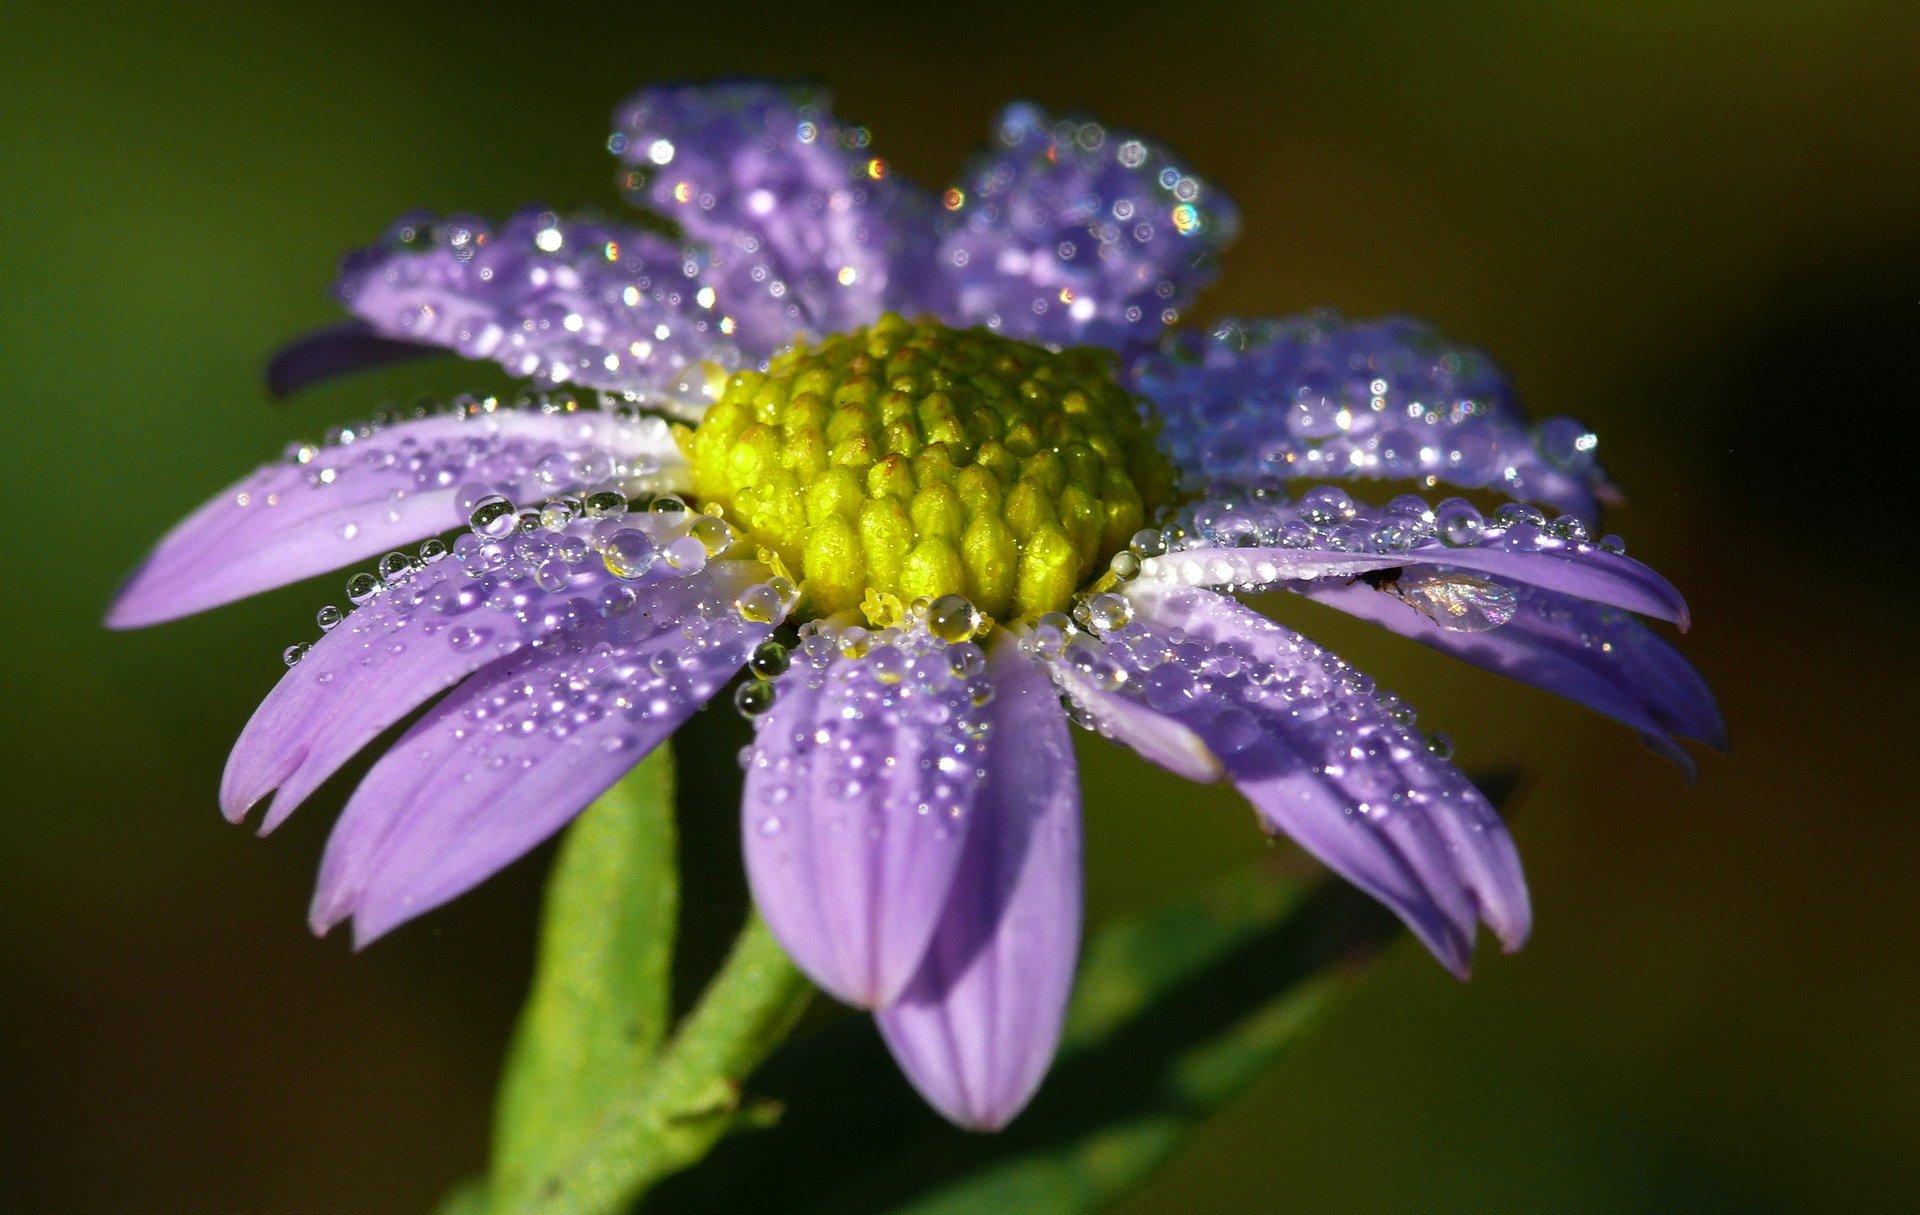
{"x": 1692, "y": 224}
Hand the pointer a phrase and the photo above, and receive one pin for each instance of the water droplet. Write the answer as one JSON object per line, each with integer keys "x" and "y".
{"x": 753, "y": 698}
{"x": 493, "y": 516}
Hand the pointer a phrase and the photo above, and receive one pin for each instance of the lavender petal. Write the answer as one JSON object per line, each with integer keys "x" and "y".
{"x": 1069, "y": 234}
{"x": 335, "y": 351}
{"x": 1593, "y": 656}
{"x": 862, "y": 786}
{"x": 1258, "y": 543}
{"x": 1319, "y": 396}
{"x": 799, "y": 213}
{"x": 379, "y": 487}
{"x": 557, "y": 300}
{"x": 512, "y": 754}
{"x": 977, "y": 1028}
{"x": 1325, "y": 761}
{"x": 421, "y": 632}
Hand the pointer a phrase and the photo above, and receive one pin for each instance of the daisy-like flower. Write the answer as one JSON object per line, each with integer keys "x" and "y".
{"x": 932, "y": 471}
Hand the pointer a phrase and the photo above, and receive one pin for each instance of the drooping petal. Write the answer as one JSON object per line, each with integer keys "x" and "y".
{"x": 1259, "y": 543}
{"x": 421, "y": 631}
{"x": 335, "y": 351}
{"x": 380, "y": 486}
{"x": 977, "y": 1028}
{"x": 792, "y": 202}
{"x": 557, "y": 300}
{"x": 862, "y": 785}
{"x": 1065, "y": 233}
{"x": 513, "y": 753}
{"x": 1323, "y": 758}
{"x": 1594, "y": 656}
{"x": 1318, "y": 396}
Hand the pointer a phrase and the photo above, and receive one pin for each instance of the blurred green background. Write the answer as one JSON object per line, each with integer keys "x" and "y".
{"x": 1693, "y": 225}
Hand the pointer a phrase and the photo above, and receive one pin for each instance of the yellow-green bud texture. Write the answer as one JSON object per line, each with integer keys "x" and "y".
{"x": 911, "y": 460}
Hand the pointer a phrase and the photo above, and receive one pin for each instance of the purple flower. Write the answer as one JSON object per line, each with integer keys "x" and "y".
{"x": 932, "y": 544}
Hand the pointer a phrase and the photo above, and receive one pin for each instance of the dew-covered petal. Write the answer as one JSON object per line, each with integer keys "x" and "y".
{"x": 1594, "y": 656}
{"x": 1256, "y": 543}
{"x": 1325, "y": 759}
{"x": 863, "y": 782}
{"x": 335, "y": 351}
{"x": 381, "y": 486}
{"x": 1319, "y": 396}
{"x": 513, "y": 753}
{"x": 557, "y": 300}
{"x": 1067, "y": 233}
{"x": 977, "y": 1028}
{"x": 422, "y": 629}
{"x": 792, "y": 202}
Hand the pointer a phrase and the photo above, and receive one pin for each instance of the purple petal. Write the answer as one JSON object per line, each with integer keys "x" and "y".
{"x": 1158, "y": 738}
{"x": 335, "y": 351}
{"x": 977, "y": 1028}
{"x": 861, "y": 788}
{"x": 1318, "y": 396}
{"x": 1259, "y": 543}
{"x": 792, "y": 202}
{"x": 1324, "y": 759}
{"x": 561, "y": 301}
{"x": 1594, "y": 656}
{"x": 512, "y": 754}
{"x": 378, "y": 487}
{"x": 422, "y": 632}
{"x": 1069, "y": 234}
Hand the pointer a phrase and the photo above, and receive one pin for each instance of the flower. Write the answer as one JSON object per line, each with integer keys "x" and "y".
{"x": 932, "y": 470}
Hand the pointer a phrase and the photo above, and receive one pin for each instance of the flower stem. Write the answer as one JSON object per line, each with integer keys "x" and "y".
{"x": 692, "y": 1095}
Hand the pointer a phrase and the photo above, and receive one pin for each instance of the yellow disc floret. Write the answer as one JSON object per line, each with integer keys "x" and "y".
{"x": 908, "y": 460}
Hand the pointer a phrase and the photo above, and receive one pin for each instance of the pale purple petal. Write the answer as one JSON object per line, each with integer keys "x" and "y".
{"x": 380, "y": 486}
{"x": 513, "y": 753}
{"x": 1324, "y": 758}
{"x": 1318, "y": 396}
{"x": 862, "y": 784}
{"x": 793, "y": 203}
{"x": 423, "y": 630}
{"x": 1256, "y": 543}
{"x": 1158, "y": 738}
{"x": 557, "y": 300}
{"x": 977, "y": 1028}
{"x": 1594, "y": 656}
{"x": 1066, "y": 233}
{"x": 335, "y": 351}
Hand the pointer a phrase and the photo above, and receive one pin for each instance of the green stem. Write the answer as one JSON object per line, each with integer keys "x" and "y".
{"x": 691, "y": 1096}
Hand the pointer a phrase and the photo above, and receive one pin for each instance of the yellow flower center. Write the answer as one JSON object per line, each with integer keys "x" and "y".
{"x": 909, "y": 461}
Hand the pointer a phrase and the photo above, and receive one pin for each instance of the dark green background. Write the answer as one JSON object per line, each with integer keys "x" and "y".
{"x": 1697, "y": 226}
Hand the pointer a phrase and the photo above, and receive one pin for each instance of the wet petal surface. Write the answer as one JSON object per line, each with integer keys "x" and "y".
{"x": 1258, "y": 543}
{"x": 1318, "y": 396}
{"x": 1324, "y": 757}
{"x": 977, "y": 1028}
{"x": 384, "y": 485}
{"x": 863, "y": 782}
{"x": 802, "y": 218}
{"x": 1594, "y": 656}
{"x": 557, "y": 300}
{"x": 423, "y": 628}
{"x": 519, "y": 748}
{"x": 1066, "y": 233}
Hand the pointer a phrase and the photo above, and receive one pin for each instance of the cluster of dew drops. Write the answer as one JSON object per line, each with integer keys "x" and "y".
{"x": 907, "y": 701}
{"x": 932, "y": 646}
{"x": 1289, "y": 691}
{"x": 1327, "y": 519}
{"x": 521, "y": 560}
{"x": 491, "y": 452}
